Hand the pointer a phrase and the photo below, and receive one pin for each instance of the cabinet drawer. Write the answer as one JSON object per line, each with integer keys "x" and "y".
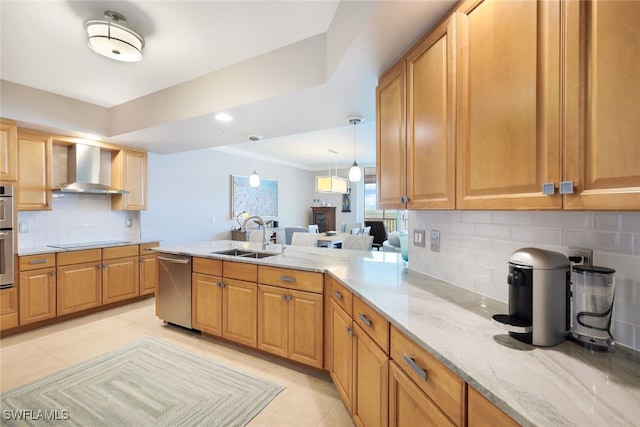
{"x": 8, "y": 308}
{"x": 481, "y": 412}
{"x": 376, "y": 326}
{"x": 442, "y": 386}
{"x": 292, "y": 279}
{"x": 146, "y": 248}
{"x": 207, "y": 266}
{"x": 35, "y": 262}
{"x": 240, "y": 271}
{"x": 120, "y": 252}
{"x": 340, "y": 294}
{"x": 78, "y": 257}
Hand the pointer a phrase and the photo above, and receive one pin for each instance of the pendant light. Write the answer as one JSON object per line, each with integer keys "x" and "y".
{"x": 332, "y": 183}
{"x": 254, "y": 179}
{"x": 355, "y": 174}
{"x": 110, "y": 37}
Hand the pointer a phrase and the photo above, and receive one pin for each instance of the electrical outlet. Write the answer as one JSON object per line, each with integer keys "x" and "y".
{"x": 585, "y": 254}
{"x": 128, "y": 222}
{"x": 23, "y": 227}
{"x": 213, "y": 220}
{"x": 418, "y": 238}
{"x": 435, "y": 240}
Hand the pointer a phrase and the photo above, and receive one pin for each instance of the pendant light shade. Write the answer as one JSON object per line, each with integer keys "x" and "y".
{"x": 111, "y": 38}
{"x": 355, "y": 174}
{"x": 254, "y": 179}
{"x": 332, "y": 183}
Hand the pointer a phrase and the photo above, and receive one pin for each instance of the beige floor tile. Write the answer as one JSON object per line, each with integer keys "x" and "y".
{"x": 20, "y": 364}
{"x": 297, "y": 403}
{"x": 265, "y": 419}
{"x": 338, "y": 416}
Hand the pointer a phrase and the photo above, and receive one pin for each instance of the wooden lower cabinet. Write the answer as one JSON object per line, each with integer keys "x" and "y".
{"x": 121, "y": 278}
{"x": 290, "y": 324}
{"x": 371, "y": 377}
{"x": 79, "y": 287}
{"x": 341, "y": 347}
{"x": 37, "y": 295}
{"x": 482, "y": 413}
{"x": 8, "y": 308}
{"x": 148, "y": 268}
{"x": 239, "y": 311}
{"x": 206, "y": 293}
{"x": 408, "y": 405}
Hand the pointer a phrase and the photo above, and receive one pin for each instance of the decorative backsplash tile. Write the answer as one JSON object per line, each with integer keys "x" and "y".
{"x": 475, "y": 247}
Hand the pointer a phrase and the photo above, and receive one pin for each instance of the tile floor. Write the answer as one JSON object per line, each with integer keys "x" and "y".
{"x": 310, "y": 398}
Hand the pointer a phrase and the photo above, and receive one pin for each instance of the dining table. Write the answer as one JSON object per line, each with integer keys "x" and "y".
{"x": 330, "y": 241}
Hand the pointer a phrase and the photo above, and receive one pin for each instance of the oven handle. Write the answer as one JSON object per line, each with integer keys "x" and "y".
{"x": 4, "y": 233}
{"x": 175, "y": 260}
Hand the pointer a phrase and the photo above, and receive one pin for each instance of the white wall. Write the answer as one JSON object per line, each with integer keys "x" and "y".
{"x": 476, "y": 246}
{"x": 357, "y": 198}
{"x": 187, "y": 189}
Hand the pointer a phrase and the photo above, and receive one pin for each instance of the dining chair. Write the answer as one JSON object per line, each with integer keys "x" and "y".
{"x": 313, "y": 228}
{"x": 351, "y": 225}
{"x": 378, "y": 231}
{"x": 366, "y": 231}
{"x": 355, "y": 231}
{"x": 304, "y": 239}
{"x": 362, "y": 243}
{"x": 288, "y": 233}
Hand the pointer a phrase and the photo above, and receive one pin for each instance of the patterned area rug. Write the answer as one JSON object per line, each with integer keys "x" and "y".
{"x": 147, "y": 383}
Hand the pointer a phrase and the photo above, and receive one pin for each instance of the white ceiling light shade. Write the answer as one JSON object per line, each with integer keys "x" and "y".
{"x": 254, "y": 179}
{"x": 111, "y": 38}
{"x": 355, "y": 174}
{"x": 332, "y": 183}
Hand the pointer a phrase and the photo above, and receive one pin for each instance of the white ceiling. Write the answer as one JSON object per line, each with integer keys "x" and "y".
{"x": 291, "y": 71}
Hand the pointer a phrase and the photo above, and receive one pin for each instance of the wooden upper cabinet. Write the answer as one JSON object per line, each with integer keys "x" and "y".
{"x": 129, "y": 172}
{"x": 601, "y": 112}
{"x": 508, "y": 104}
{"x": 431, "y": 116}
{"x": 34, "y": 171}
{"x": 8, "y": 150}
{"x": 391, "y": 150}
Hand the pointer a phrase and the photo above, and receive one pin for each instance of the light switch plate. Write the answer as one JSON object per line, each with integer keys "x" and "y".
{"x": 418, "y": 238}
{"x": 435, "y": 240}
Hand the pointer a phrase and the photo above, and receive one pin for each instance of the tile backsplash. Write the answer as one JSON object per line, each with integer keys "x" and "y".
{"x": 76, "y": 218}
{"x": 475, "y": 247}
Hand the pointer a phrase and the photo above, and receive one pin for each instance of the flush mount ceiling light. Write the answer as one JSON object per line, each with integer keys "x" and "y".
{"x": 111, "y": 38}
{"x": 355, "y": 174}
{"x": 223, "y": 117}
{"x": 332, "y": 183}
{"x": 254, "y": 179}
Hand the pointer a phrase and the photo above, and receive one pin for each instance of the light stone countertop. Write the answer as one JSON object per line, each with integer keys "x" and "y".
{"x": 88, "y": 245}
{"x": 564, "y": 385}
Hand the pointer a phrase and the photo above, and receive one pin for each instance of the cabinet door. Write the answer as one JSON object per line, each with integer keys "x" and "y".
{"x": 206, "y": 294}
{"x": 34, "y": 171}
{"x": 306, "y": 328}
{"x": 602, "y": 142}
{"x": 391, "y": 151}
{"x": 78, "y": 287}
{"x": 129, "y": 172}
{"x": 120, "y": 279}
{"x": 148, "y": 274}
{"x": 408, "y": 405}
{"x": 431, "y": 138}
{"x": 371, "y": 376}
{"x": 508, "y": 104}
{"x": 37, "y": 295}
{"x": 342, "y": 349}
{"x": 273, "y": 317}
{"x": 481, "y": 412}
{"x": 239, "y": 308}
{"x": 8, "y": 151}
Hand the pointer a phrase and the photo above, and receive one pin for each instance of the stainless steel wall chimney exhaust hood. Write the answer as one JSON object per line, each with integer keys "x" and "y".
{"x": 83, "y": 172}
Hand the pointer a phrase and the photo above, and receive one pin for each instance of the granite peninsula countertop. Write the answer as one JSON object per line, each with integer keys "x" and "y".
{"x": 564, "y": 385}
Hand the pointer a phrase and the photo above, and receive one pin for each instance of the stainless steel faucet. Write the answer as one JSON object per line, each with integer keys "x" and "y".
{"x": 264, "y": 233}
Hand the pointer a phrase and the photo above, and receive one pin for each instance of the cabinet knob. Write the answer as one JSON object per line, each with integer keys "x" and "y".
{"x": 566, "y": 187}
{"x": 53, "y": 273}
{"x": 548, "y": 188}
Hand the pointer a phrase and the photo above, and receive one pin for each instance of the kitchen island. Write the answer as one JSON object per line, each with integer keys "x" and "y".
{"x": 561, "y": 385}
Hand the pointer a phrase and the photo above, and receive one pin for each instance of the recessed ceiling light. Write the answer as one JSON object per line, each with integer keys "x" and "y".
{"x": 223, "y": 117}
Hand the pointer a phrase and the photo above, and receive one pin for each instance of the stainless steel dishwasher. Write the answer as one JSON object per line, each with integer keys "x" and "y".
{"x": 173, "y": 299}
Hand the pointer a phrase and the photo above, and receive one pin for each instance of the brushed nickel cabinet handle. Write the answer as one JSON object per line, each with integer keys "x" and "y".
{"x": 38, "y": 261}
{"x": 287, "y": 279}
{"x": 337, "y": 294}
{"x": 365, "y": 319}
{"x": 417, "y": 369}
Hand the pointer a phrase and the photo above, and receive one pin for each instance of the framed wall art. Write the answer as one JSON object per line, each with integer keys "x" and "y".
{"x": 261, "y": 200}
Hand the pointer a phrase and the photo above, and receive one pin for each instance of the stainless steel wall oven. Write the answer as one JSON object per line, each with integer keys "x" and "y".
{"x": 6, "y": 236}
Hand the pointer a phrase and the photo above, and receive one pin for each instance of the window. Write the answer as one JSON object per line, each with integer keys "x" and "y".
{"x": 393, "y": 219}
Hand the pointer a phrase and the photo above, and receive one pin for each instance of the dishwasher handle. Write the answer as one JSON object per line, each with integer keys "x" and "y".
{"x": 176, "y": 260}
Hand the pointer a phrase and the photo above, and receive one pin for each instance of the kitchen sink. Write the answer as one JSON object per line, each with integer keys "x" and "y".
{"x": 244, "y": 254}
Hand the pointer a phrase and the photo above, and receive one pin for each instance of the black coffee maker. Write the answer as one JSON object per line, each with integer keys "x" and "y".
{"x": 539, "y": 286}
